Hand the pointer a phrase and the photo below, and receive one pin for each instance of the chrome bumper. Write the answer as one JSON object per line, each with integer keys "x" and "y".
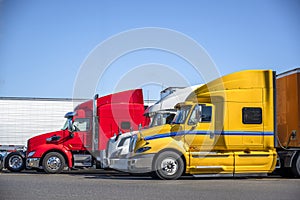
{"x": 33, "y": 162}
{"x": 136, "y": 164}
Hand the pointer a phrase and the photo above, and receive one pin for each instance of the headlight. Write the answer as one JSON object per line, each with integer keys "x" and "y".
{"x": 132, "y": 143}
{"x": 30, "y": 153}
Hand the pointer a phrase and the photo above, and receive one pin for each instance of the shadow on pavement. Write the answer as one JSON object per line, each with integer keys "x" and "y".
{"x": 117, "y": 175}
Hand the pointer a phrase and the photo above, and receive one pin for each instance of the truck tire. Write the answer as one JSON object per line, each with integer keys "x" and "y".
{"x": 1, "y": 163}
{"x": 15, "y": 162}
{"x": 296, "y": 166}
{"x": 53, "y": 163}
{"x": 168, "y": 165}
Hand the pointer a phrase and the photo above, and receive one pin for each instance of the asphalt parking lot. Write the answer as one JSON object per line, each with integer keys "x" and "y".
{"x": 107, "y": 184}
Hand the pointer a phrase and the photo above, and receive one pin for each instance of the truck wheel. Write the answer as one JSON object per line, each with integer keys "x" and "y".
{"x": 1, "y": 161}
{"x": 53, "y": 163}
{"x": 296, "y": 166}
{"x": 168, "y": 166}
{"x": 15, "y": 162}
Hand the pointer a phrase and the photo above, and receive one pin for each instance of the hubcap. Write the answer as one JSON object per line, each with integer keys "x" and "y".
{"x": 54, "y": 163}
{"x": 169, "y": 166}
{"x": 15, "y": 161}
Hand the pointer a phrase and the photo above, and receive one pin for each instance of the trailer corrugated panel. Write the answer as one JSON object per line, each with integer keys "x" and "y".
{"x": 23, "y": 118}
{"x": 288, "y": 107}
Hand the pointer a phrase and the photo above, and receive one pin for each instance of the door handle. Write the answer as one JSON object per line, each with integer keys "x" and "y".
{"x": 211, "y": 134}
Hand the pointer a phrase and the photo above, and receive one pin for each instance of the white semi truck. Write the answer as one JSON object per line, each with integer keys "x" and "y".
{"x": 161, "y": 113}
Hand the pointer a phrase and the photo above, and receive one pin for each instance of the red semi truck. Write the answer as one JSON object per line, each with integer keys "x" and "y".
{"x": 82, "y": 141}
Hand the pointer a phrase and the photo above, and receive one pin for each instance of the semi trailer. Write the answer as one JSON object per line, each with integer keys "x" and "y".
{"x": 245, "y": 123}
{"x": 24, "y": 117}
{"x": 288, "y": 122}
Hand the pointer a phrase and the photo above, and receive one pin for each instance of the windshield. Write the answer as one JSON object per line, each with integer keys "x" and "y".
{"x": 162, "y": 118}
{"x": 181, "y": 115}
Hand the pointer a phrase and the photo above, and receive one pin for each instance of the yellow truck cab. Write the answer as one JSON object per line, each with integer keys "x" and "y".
{"x": 225, "y": 127}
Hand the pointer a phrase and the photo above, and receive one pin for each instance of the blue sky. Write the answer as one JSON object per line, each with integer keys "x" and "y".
{"x": 44, "y": 43}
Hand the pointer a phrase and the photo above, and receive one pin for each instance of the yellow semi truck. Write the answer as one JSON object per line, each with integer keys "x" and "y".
{"x": 226, "y": 127}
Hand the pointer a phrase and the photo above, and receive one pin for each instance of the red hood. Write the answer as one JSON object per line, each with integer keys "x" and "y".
{"x": 33, "y": 142}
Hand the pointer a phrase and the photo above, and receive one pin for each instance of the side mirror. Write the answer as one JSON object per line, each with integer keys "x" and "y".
{"x": 197, "y": 116}
{"x": 70, "y": 126}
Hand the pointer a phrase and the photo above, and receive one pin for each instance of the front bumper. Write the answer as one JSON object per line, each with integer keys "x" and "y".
{"x": 33, "y": 162}
{"x": 135, "y": 164}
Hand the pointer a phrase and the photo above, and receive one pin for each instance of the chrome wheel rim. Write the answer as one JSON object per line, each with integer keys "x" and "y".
{"x": 53, "y": 163}
{"x": 15, "y": 161}
{"x": 169, "y": 166}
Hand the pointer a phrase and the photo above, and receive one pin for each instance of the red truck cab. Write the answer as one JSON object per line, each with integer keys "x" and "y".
{"x": 83, "y": 139}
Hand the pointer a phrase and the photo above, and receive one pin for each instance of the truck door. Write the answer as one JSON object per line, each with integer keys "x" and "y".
{"x": 199, "y": 133}
{"x": 83, "y": 129}
{"x": 178, "y": 126}
{"x": 201, "y": 139}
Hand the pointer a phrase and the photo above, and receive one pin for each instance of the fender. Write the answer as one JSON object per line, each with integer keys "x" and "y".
{"x": 42, "y": 150}
{"x": 162, "y": 144}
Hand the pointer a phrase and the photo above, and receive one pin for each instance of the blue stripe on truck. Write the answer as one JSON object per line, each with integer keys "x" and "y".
{"x": 233, "y": 133}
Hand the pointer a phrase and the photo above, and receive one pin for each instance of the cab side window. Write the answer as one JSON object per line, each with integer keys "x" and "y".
{"x": 82, "y": 124}
{"x": 206, "y": 114}
{"x": 200, "y": 113}
{"x": 252, "y": 115}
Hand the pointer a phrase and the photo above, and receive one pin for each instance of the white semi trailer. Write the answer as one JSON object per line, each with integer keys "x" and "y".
{"x": 23, "y": 118}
